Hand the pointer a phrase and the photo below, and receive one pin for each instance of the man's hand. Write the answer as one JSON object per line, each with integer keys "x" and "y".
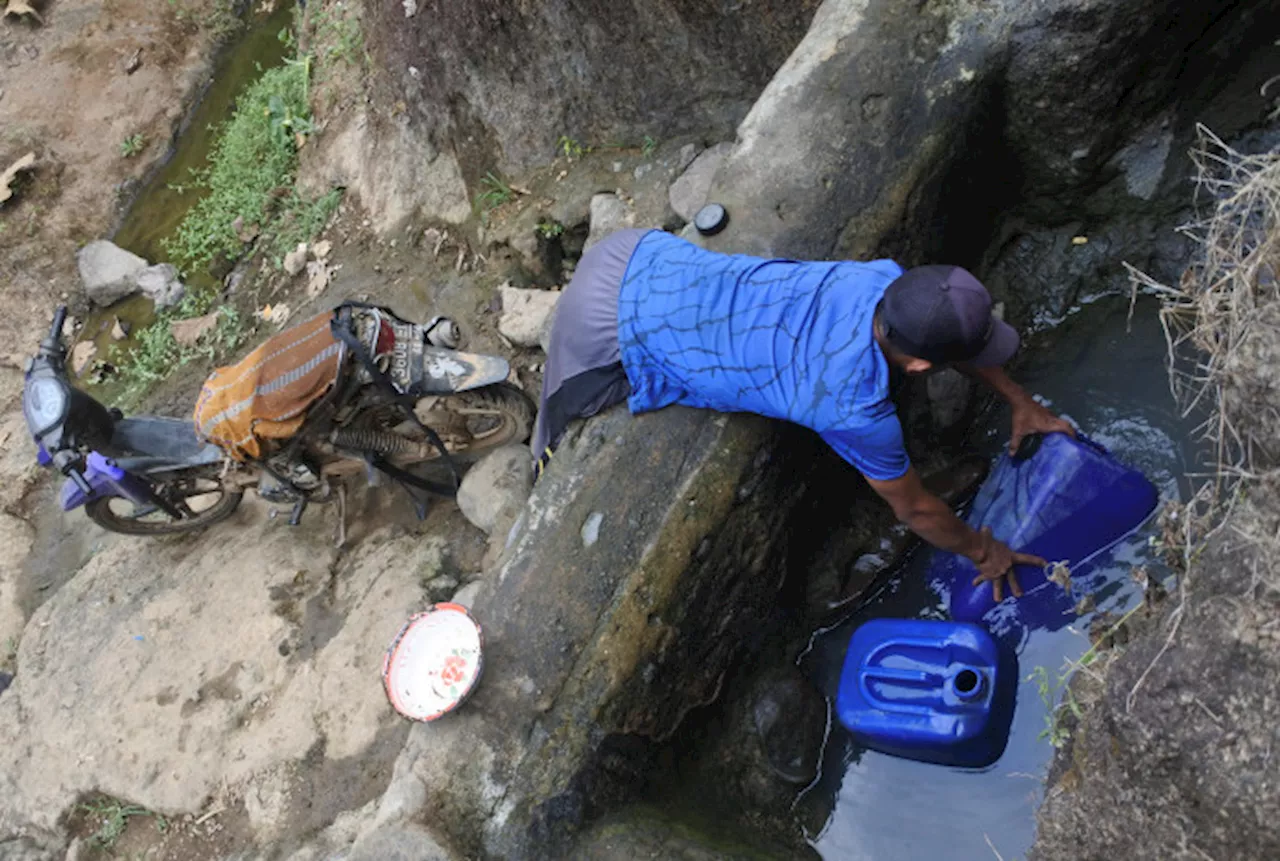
{"x": 1030, "y": 417}
{"x": 995, "y": 564}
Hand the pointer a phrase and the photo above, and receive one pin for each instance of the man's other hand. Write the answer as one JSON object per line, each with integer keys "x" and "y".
{"x": 996, "y": 565}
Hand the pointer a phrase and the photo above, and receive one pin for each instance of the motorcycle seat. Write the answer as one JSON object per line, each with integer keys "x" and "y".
{"x": 157, "y": 443}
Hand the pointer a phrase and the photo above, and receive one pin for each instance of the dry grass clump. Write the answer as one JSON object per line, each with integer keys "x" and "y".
{"x": 1225, "y": 312}
{"x": 1222, "y": 321}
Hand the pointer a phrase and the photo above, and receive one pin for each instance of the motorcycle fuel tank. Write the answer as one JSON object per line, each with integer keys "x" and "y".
{"x": 939, "y": 692}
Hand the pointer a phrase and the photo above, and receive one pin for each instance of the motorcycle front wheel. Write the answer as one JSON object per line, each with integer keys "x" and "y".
{"x": 202, "y": 499}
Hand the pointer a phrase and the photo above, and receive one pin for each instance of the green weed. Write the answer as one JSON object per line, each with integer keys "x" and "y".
{"x": 648, "y": 146}
{"x": 132, "y": 145}
{"x": 112, "y": 818}
{"x": 496, "y": 192}
{"x": 156, "y": 353}
{"x": 251, "y": 172}
{"x": 339, "y": 37}
{"x": 571, "y": 148}
{"x": 301, "y": 219}
{"x": 549, "y": 229}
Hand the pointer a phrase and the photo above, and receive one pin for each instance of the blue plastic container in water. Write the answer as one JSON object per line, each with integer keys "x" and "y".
{"x": 1061, "y": 499}
{"x": 940, "y": 692}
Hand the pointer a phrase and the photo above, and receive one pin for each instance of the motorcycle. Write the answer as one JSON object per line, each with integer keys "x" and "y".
{"x": 152, "y": 475}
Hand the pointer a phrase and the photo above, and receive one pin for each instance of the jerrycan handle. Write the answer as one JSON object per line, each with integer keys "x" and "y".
{"x": 1028, "y": 447}
{"x": 1031, "y": 444}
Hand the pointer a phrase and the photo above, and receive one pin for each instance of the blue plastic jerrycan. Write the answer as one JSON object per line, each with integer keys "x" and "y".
{"x": 1062, "y": 499}
{"x": 940, "y": 692}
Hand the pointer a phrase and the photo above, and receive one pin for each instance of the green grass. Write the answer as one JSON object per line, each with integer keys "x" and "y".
{"x": 132, "y": 145}
{"x": 112, "y": 818}
{"x": 496, "y": 192}
{"x": 219, "y": 18}
{"x": 251, "y": 174}
{"x": 339, "y": 36}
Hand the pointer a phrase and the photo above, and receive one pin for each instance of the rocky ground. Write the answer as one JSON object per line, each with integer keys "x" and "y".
{"x": 270, "y": 735}
{"x": 217, "y": 695}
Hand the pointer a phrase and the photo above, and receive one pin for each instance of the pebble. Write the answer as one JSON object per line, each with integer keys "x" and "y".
{"x": 591, "y": 529}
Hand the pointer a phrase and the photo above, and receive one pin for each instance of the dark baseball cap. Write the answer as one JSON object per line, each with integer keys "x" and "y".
{"x": 943, "y": 314}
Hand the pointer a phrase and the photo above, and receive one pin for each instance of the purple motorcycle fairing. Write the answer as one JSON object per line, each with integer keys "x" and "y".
{"x": 105, "y": 479}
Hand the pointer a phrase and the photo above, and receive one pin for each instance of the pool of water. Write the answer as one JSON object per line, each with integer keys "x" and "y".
{"x": 1107, "y": 373}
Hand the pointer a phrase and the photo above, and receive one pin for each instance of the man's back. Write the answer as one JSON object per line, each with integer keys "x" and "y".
{"x": 784, "y": 339}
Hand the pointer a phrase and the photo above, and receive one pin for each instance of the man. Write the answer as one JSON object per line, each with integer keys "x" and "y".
{"x": 655, "y": 320}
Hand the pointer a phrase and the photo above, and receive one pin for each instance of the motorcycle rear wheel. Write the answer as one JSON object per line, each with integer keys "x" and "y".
{"x": 207, "y": 499}
{"x": 478, "y": 421}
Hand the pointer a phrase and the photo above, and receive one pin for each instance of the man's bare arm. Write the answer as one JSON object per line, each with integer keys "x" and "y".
{"x": 1028, "y": 416}
{"x": 934, "y": 521}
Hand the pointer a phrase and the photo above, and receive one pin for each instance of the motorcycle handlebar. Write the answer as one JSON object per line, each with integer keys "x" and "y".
{"x": 80, "y": 480}
{"x": 59, "y": 318}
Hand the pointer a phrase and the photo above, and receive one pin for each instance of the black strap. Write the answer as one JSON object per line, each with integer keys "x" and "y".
{"x": 341, "y": 328}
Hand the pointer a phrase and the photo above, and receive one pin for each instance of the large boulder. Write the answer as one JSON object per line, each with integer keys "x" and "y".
{"x": 500, "y": 83}
{"x": 199, "y": 667}
{"x": 913, "y": 135}
{"x": 597, "y": 636}
{"x": 108, "y": 272}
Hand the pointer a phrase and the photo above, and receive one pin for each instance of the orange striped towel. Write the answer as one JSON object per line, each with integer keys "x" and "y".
{"x": 266, "y": 395}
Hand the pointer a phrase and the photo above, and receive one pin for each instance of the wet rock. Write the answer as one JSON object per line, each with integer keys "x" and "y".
{"x": 495, "y": 490}
{"x": 949, "y": 393}
{"x": 108, "y": 272}
{"x": 81, "y": 355}
{"x": 609, "y": 214}
{"x": 119, "y": 329}
{"x": 790, "y": 720}
{"x": 161, "y": 284}
{"x": 689, "y": 193}
{"x": 873, "y": 543}
{"x": 134, "y": 63}
{"x": 526, "y": 314}
{"x": 638, "y": 832}
{"x": 189, "y": 332}
{"x": 296, "y": 260}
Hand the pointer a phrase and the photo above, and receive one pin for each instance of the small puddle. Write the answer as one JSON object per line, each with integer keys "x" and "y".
{"x": 1109, "y": 376}
{"x": 170, "y": 192}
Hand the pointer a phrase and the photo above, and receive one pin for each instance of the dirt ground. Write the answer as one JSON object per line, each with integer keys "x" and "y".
{"x": 69, "y": 98}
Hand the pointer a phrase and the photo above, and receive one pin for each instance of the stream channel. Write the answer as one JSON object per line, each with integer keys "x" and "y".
{"x": 1107, "y": 373}
{"x": 170, "y": 191}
